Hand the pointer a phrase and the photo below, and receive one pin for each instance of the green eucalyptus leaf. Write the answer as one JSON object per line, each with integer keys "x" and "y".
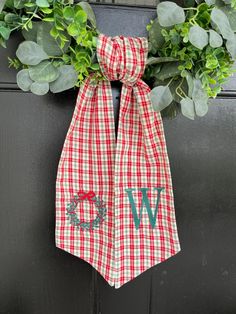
{"x": 43, "y": 72}
{"x": 68, "y": 13}
{"x": 31, "y": 34}
{"x": 48, "y": 19}
{"x": 215, "y": 39}
{"x": 220, "y": 3}
{"x": 155, "y": 60}
{"x": 9, "y": 4}
{"x": 5, "y": 32}
{"x": 39, "y": 89}
{"x": 156, "y": 39}
{"x": 11, "y": 18}
{"x": 80, "y": 17}
{"x": 2, "y": 4}
{"x": 73, "y": 29}
{"x": 161, "y": 97}
{"x": 29, "y": 5}
{"x": 198, "y": 37}
{"x": 89, "y": 11}
{"x": 67, "y": 79}
{"x": 43, "y": 3}
{"x": 151, "y": 71}
{"x": 46, "y": 10}
{"x": 19, "y": 4}
{"x": 3, "y": 43}
{"x": 30, "y": 53}
{"x": 231, "y": 14}
{"x": 49, "y": 44}
{"x": 189, "y": 80}
{"x": 95, "y": 66}
{"x": 200, "y": 98}
{"x": 220, "y": 21}
{"x": 231, "y": 46}
{"x": 210, "y": 2}
{"x": 187, "y": 108}
{"x": 169, "y": 14}
{"x": 168, "y": 70}
{"x": 23, "y": 80}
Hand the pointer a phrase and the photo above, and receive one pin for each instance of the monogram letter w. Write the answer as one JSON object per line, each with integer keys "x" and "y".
{"x": 145, "y": 201}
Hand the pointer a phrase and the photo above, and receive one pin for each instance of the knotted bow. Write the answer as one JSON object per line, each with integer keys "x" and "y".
{"x": 124, "y": 58}
{"x": 95, "y": 165}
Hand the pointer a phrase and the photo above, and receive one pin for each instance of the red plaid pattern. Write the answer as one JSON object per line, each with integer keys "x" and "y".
{"x": 94, "y": 218}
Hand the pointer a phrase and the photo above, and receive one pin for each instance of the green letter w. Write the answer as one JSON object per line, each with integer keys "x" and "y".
{"x": 145, "y": 201}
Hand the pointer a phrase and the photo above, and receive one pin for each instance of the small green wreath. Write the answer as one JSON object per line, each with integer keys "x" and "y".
{"x": 191, "y": 49}
{"x": 98, "y": 203}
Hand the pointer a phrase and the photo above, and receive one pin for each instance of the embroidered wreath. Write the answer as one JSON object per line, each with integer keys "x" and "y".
{"x": 191, "y": 49}
{"x": 72, "y": 208}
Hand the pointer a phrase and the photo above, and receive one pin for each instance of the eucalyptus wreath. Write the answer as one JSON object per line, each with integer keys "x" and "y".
{"x": 192, "y": 49}
{"x": 86, "y": 225}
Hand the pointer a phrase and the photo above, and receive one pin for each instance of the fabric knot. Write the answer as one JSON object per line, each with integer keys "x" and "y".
{"x": 122, "y": 58}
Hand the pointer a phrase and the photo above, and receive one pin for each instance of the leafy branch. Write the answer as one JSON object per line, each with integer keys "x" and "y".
{"x": 59, "y": 50}
{"x": 196, "y": 47}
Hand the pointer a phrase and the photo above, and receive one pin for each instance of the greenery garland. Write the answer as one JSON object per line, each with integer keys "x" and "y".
{"x": 191, "y": 49}
{"x": 59, "y": 50}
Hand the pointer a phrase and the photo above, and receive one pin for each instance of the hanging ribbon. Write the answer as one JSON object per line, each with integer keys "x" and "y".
{"x": 124, "y": 174}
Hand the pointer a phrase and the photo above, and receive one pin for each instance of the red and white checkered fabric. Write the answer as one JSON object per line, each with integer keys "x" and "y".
{"x": 95, "y": 215}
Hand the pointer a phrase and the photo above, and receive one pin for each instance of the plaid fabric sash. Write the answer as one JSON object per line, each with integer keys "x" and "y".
{"x": 114, "y": 198}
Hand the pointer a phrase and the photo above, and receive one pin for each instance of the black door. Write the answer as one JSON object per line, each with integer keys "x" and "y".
{"x": 38, "y": 278}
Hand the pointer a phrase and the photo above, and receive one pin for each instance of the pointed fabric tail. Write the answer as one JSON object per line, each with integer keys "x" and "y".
{"x": 98, "y": 174}
{"x": 86, "y": 164}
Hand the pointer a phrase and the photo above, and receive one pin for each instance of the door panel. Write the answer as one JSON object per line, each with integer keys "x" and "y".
{"x": 32, "y": 133}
